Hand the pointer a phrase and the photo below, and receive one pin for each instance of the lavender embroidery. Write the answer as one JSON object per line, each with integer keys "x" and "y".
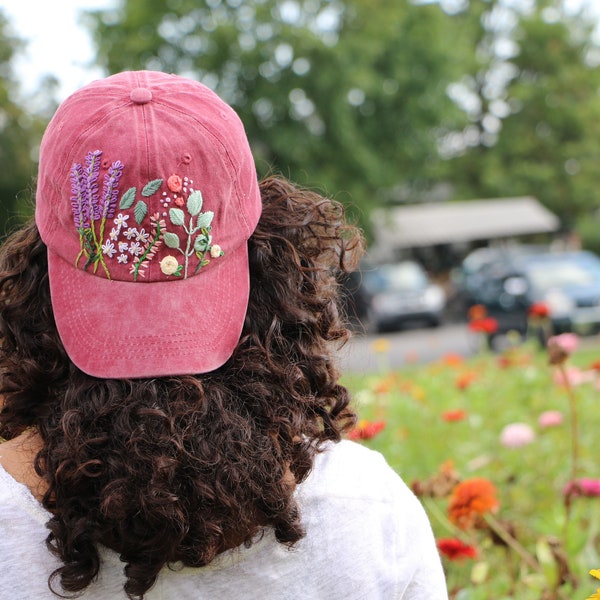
{"x": 88, "y": 207}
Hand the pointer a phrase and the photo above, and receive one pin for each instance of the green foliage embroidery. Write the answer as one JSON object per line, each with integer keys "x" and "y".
{"x": 127, "y": 199}
{"x": 151, "y": 187}
{"x": 140, "y": 211}
{"x": 198, "y": 235}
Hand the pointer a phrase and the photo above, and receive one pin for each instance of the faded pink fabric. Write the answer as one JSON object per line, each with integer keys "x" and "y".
{"x": 147, "y": 195}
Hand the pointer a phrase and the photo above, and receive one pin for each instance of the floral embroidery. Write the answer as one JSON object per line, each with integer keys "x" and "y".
{"x": 135, "y": 244}
{"x": 174, "y": 183}
{"x": 198, "y": 239}
{"x": 89, "y": 207}
{"x": 169, "y": 265}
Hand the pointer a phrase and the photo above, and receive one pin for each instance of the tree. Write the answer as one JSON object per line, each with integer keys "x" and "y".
{"x": 346, "y": 96}
{"x": 546, "y": 137}
{"x": 19, "y": 132}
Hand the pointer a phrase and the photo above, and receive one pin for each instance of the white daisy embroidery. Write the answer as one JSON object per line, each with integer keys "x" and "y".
{"x": 142, "y": 236}
{"x": 108, "y": 248}
{"x": 131, "y": 233}
{"x": 135, "y": 248}
{"x": 121, "y": 220}
{"x": 123, "y": 246}
{"x": 122, "y": 259}
{"x": 114, "y": 234}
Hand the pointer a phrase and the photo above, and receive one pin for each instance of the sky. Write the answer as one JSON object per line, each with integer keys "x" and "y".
{"x": 56, "y": 43}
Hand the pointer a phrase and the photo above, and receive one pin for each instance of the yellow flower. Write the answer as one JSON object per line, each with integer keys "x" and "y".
{"x": 595, "y": 573}
{"x": 595, "y": 595}
{"x": 381, "y": 345}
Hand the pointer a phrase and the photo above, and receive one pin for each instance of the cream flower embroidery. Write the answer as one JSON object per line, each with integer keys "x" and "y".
{"x": 169, "y": 265}
{"x": 215, "y": 251}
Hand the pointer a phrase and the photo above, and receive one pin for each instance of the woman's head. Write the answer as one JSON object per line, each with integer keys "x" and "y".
{"x": 147, "y": 195}
{"x": 179, "y": 466}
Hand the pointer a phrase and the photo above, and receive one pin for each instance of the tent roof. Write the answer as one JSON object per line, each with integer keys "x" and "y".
{"x": 451, "y": 222}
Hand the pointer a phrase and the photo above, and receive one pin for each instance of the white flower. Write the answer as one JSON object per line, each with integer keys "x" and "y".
{"x": 121, "y": 220}
{"x": 123, "y": 246}
{"x": 142, "y": 236}
{"x": 135, "y": 248}
{"x": 131, "y": 233}
{"x": 215, "y": 251}
{"x": 114, "y": 233}
{"x": 108, "y": 248}
{"x": 168, "y": 265}
{"x": 122, "y": 258}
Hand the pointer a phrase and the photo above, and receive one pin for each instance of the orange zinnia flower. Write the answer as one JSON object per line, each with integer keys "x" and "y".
{"x": 464, "y": 380}
{"x": 476, "y": 312}
{"x": 471, "y": 499}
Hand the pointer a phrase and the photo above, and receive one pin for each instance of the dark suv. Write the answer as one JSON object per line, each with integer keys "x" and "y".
{"x": 566, "y": 283}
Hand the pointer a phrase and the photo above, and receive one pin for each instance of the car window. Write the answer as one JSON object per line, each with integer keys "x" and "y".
{"x": 400, "y": 277}
{"x": 564, "y": 272}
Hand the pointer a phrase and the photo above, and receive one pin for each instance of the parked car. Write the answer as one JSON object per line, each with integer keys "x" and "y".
{"x": 390, "y": 296}
{"x": 567, "y": 284}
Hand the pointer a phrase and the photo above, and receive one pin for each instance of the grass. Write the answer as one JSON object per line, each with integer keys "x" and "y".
{"x": 493, "y": 391}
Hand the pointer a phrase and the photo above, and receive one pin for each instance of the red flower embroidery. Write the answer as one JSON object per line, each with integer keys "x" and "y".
{"x": 174, "y": 183}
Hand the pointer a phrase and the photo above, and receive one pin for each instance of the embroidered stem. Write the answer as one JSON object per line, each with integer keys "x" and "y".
{"x": 147, "y": 251}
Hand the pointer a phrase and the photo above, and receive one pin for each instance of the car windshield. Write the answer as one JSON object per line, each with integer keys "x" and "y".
{"x": 564, "y": 272}
{"x": 401, "y": 277}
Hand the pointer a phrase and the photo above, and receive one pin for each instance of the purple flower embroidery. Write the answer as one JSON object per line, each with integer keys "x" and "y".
{"x": 92, "y": 162}
{"x": 79, "y": 198}
{"x": 111, "y": 190}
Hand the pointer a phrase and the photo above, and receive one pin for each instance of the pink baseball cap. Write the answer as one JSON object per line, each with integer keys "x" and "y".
{"x": 147, "y": 194}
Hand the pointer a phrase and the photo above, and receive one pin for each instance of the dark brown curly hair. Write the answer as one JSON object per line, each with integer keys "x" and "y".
{"x": 177, "y": 469}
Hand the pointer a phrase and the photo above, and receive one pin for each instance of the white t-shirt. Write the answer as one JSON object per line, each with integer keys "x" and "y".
{"x": 367, "y": 537}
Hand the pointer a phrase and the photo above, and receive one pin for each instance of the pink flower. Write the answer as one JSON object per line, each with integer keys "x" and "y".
{"x": 180, "y": 201}
{"x": 516, "y": 435}
{"x": 575, "y": 376}
{"x": 583, "y": 487}
{"x": 560, "y": 347}
{"x": 550, "y": 418}
{"x": 174, "y": 183}
{"x": 567, "y": 341}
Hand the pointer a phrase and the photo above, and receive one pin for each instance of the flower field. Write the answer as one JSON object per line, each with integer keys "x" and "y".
{"x": 502, "y": 451}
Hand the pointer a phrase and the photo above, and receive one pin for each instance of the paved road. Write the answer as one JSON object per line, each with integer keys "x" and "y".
{"x": 416, "y": 345}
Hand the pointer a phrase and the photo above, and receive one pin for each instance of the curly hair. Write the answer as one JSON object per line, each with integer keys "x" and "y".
{"x": 178, "y": 469}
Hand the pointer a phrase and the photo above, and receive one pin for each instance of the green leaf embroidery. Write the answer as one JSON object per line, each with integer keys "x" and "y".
{"x": 151, "y": 187}
{"x": 177, "y": 216}
{"x": 140, "y": 211}
{"x": 201, "y": 243}
{"x": 127, "y": 198}
{"x": 171, "y": 239}
{"x": 194, "y": 202}
{"x": 205, "y": 219}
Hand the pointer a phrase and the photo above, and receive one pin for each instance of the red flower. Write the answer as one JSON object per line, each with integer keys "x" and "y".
{"x": 471, "y": 499}
{"x": 464, "y": 380}
{"x": 454, "y": 415}
{"x": 455, "y": 549}
{"x": 366, "y": 430}
{"x": 538, "y": 310}
{"x": 174, "y": 183}
{"x": 487, "y": 325}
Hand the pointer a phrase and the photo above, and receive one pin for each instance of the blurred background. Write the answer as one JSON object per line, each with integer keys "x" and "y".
{"x": 462, "y": 135}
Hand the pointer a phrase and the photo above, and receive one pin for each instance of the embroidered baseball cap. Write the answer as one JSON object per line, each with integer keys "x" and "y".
{"x": 147, "y": 194}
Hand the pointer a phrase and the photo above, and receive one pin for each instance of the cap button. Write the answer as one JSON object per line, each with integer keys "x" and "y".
{"x": 140, "y": 95}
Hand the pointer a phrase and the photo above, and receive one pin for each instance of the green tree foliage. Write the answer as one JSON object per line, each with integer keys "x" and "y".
{"x": 18, "y": 133}
{"x": 546, "y": 121}
{"x": 348, "y": 96}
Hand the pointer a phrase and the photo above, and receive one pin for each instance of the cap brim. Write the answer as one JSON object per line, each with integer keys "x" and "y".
{"x": 120, "y": 329}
